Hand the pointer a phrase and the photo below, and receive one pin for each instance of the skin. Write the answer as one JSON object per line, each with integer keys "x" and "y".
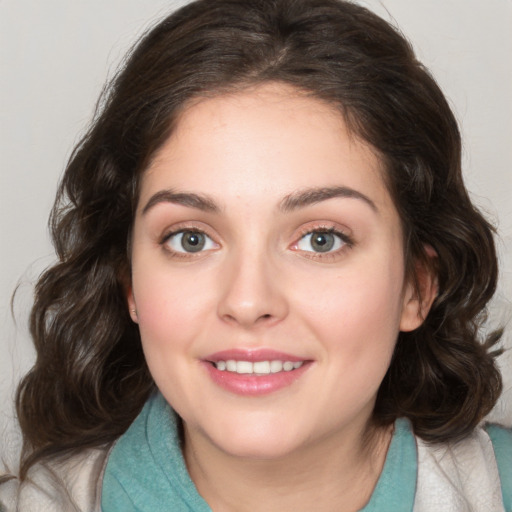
{"x": 260, "y": 284}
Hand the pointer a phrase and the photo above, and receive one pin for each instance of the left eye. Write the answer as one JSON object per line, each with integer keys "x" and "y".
{"x": 320, "y": 241}
{"x": 190, "y": 241}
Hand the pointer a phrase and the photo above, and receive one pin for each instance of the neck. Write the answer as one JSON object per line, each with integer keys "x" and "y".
{"x": 335, "y": 473}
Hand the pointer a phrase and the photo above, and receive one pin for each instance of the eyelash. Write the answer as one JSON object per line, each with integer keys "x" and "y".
{"x": 347, "y": 242}
{"x": 164, "y": 242}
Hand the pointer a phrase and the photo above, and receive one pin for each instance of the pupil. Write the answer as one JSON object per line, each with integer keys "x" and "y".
{"x": 322, "y": 242}
{"x": 193, "y": 242}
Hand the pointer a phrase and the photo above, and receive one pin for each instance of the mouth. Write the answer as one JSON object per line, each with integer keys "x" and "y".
{"x": 258, "y": 368}
{"x": 255, "y": 372}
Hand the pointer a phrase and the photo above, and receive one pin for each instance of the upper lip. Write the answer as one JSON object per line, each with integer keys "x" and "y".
{"x": 253, "y": 355}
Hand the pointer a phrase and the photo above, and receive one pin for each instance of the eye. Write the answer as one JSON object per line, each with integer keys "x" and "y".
{"x": 188, "y": 241}
{"x": 321, "y": 241}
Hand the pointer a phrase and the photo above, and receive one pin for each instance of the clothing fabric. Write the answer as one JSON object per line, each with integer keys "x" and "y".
{"x": 145, "y": 472}
{"x": 152, "y": 443}
{"x": 70, "y": 485}
{"x": 462, "y": 477}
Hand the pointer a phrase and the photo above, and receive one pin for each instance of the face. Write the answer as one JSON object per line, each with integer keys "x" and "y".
{"x": 268, "y": 273}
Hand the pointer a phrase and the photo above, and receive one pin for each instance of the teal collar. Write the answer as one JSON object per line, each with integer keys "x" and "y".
{"x": 146, "y": 471}
{"x": 396, "y": 487}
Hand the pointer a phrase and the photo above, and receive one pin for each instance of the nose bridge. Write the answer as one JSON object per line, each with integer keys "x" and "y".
{"x": 251, "y": 292}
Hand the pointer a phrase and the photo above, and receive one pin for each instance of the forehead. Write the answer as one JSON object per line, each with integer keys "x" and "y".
{"x": 266, "y": 141}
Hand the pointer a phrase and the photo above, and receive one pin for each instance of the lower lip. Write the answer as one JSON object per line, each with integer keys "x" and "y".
{"x": 252, "y": 385}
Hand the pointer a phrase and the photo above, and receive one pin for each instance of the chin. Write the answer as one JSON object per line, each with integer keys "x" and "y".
{"x": 259, "y": 449}
{"x": 264, "y": 440}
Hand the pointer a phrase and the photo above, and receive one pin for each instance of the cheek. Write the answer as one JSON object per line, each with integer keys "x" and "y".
{"x": 357, "y": 311}
{"x": 170, "y": 318}
{"x": 169, "y": 308}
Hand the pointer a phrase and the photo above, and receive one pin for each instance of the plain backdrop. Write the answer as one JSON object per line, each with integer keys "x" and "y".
{"x": 55, "y": 57}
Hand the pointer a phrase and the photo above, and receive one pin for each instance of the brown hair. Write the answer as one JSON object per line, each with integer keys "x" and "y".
{"x": 90, "y": 379}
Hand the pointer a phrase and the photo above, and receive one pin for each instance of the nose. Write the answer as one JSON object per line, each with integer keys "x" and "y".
{"x": 251, "y": 292}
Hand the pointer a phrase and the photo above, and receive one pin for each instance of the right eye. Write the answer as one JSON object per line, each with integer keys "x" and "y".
{"x": 188, "y": 241}
{"x": 320, "y": 241}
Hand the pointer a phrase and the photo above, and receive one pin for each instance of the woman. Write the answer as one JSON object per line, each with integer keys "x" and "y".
{"x": 266, "y": 230}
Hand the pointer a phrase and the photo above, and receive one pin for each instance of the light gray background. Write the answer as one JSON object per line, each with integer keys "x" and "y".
{"x": 56, "y": 54}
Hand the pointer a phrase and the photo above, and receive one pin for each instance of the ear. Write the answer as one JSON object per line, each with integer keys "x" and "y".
{"x": 131, "y": 304}
{"x": 420, "y": 292}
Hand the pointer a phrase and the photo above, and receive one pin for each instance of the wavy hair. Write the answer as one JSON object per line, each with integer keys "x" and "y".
{"x": 90, "y": 378}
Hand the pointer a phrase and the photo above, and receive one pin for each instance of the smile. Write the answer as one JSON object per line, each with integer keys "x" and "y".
{"x": 255, "y": 372}
{"x": 257, "y": 368}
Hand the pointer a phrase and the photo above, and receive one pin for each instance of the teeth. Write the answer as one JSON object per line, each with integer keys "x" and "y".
{"x": 287, "y": 366}
{"x": 258, "y": 368}
{"x": 244, "y": 367}
{"x": 261, "y": 367}
{"x": 276, "y": 366}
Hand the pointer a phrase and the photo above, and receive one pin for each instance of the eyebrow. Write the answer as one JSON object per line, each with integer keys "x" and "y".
{"x": 289, "y": 203}
{"x": 198, "y": 201}
{"x": 312, "y": 196}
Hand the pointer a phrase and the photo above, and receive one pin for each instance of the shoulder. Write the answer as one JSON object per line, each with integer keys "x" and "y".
{"x": 72, "y": 484}
{"x": 463, "y": 476}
